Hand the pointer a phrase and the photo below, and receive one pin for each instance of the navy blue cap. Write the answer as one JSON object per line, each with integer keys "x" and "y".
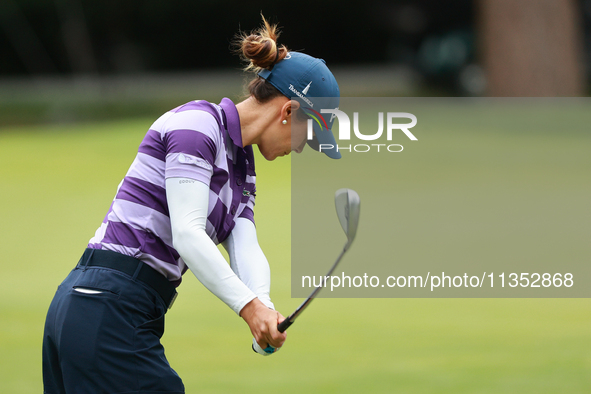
{"x": 308, "y": 80}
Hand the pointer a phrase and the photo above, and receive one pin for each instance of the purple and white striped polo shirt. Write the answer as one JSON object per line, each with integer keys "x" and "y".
{"x": 197, "y": 140}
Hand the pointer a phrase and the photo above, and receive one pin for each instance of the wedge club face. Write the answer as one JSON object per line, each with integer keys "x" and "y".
{"x": 347, "y": 204}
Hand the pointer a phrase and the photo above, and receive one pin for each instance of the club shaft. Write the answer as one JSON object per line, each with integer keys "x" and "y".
{"x": 289, "y": 321}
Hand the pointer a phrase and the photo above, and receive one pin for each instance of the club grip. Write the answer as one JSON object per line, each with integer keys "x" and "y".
{"x": 263, "y": 352}
{"x": 284, "y": 325}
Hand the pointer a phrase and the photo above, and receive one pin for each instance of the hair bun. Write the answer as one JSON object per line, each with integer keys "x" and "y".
{"x": 260, "y": 48}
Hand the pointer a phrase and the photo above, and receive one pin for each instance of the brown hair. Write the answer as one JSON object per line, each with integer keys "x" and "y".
{"x": 259, "y": 48}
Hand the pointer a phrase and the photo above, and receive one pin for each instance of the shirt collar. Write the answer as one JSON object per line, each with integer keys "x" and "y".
{"x": 233, "y": 121}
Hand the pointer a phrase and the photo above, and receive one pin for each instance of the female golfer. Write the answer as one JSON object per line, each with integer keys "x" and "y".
{"x": 190, "y": 187}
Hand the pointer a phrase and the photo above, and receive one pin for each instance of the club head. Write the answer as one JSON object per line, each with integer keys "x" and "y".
{"x": 347, "y": 203}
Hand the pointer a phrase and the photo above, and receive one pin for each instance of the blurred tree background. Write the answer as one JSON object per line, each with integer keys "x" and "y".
{"x": 106, "y": 52}
{"x": 82, "y": 36}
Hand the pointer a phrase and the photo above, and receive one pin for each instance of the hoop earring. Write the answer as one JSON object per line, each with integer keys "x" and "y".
{"x": 284, "y": 121}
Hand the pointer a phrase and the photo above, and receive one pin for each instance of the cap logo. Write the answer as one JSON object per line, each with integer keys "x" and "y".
{"x": 300, "y": 95}
{"x": 305, "y": 91}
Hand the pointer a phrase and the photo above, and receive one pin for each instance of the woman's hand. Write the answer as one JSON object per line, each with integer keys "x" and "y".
{"x": 263, "y": 324}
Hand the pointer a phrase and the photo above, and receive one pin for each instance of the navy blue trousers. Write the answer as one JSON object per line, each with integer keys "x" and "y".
{"x": 107, "y": 342}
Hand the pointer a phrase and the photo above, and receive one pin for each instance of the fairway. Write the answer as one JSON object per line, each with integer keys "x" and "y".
{"x": 56, "y": 185}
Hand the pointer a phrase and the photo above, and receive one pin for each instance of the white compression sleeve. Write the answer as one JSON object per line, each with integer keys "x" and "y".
{"x": 248, "y": 260}
{"x": 187, "y": 203}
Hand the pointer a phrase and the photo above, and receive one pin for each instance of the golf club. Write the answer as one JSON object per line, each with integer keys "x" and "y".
{"x": 347, "y": 205}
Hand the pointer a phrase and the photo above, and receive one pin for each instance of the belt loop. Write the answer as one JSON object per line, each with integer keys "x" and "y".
{"x": 84, "y": 261}
{"x": 137, "y": 270}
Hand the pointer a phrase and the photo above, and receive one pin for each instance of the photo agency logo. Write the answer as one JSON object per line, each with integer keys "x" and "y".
{"x": 396, "y": 122}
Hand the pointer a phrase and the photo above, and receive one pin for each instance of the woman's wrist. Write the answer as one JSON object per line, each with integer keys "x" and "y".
{"x": 249, "y": 310}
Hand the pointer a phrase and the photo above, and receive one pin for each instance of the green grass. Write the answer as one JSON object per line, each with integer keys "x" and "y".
{"x": 57, "y": 183}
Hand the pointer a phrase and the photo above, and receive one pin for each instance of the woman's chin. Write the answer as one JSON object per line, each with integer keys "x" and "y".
{"x": 270, "y": 156}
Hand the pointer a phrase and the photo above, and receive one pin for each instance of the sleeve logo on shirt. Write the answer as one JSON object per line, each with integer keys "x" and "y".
{"x": 185, "y": 159}
{"x": 196, "y": 161}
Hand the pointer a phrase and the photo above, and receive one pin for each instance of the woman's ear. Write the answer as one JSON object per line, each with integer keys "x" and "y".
{"x": 288, "y": 108}
{"x": 295, "y": 106}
